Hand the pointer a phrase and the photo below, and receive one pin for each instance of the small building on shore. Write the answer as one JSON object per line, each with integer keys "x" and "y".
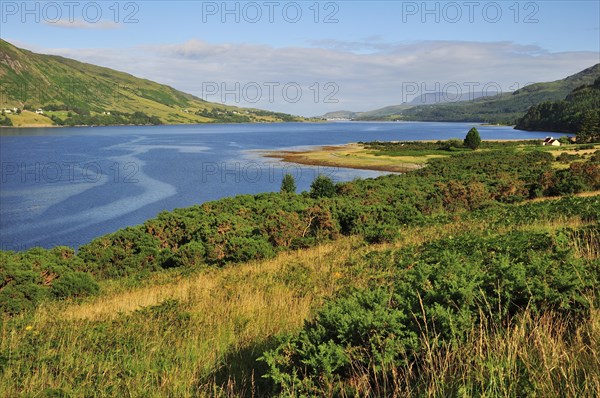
{"x": 550, "y": 141}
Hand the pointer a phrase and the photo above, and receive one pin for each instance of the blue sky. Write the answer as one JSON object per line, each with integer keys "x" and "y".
{"x": 362, "y": 54}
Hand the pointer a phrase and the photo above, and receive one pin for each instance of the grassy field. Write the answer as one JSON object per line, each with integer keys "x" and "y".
{"x": 402, "y": 157}
{"x": 355, "y": 156}
{"x": 30, "y": 119}
{"x": 184, "y": 334}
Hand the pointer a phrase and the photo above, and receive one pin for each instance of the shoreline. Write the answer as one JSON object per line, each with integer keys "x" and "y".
{"x": 355, "y": 156}
{"x": 349, "y": 156}
{"x": 139, "y": 125}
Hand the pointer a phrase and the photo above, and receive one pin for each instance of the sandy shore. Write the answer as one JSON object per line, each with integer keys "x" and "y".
{"x": 352, "y": 156}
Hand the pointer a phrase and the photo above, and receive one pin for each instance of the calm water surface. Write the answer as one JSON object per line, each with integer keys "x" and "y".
{"x": 68, "y": 186}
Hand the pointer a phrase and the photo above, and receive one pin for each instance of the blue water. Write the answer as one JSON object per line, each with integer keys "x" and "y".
{"x": 68, "y": 186}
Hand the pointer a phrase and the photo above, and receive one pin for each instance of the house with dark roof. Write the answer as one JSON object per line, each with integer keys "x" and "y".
{"x": 551, "y": 142}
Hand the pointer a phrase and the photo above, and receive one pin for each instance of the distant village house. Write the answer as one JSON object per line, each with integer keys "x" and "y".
{"x": 550, "y": 141}
{"x": 40, "y": 111}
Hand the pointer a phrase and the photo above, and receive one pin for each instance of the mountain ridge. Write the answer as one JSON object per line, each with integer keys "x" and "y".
{"x": 503, "y": 108}
{"x": 578, "y": 113}
{"x": 92, "y": 93}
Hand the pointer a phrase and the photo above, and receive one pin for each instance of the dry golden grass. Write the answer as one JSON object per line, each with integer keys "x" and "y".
{"x": 205, "y": 289}
{"x": 493, "y": 361}
{"x": 30, "y": 119}
{"x": 325, "y": 262}
{"x": 123, "y": 342}
{"x": 587, "y": 194}
{"x": 572, "y": 151}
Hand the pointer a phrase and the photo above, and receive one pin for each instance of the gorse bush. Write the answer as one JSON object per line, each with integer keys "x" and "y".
{"x": 365, "y": 329}
{"x": 440, "y": 291}
{"x": 30, "y": 277}
{"x": 497, "y": 301}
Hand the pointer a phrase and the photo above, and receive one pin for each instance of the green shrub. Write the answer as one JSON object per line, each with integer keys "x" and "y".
{"x": 322, "y": 187}
{"x": 240, "y": 249}
{"x": 28, "y": 278}
{"x": 381, "y": 233}
{"x": 472, "y": 140}
{"x": 450, "y": 144}
{"x": 365, "y": 329}
{"x": 288, "y": 184}
{"x": 441, "y": 291}
{"x": 191, "y": 255}
{"x": 74, "y": 284}
{"x": 122, "y": 253}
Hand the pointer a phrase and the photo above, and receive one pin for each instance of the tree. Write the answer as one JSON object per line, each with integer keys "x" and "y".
{"x": 589, "y": 130}
{"x": 5, "y": 121}
{"x": 288, "y": 184}
{"x": 322, "y": 186}
{"x": 472, "y": 140}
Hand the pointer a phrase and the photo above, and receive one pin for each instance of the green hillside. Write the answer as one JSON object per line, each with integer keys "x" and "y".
{"x": 504, "y": 108}
{"x": 578, "y": 113}
{"x": 59, "y": 85}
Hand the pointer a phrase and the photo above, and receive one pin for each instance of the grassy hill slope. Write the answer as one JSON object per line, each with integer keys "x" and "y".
{"x": 577, "y": 113}
{"x": 504, "y": 108}
{"x": 31, "y": 81}
{"x": 200, "y": 333}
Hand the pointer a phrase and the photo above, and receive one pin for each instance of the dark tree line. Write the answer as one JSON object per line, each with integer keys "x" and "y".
{"x": 579, "y": 114}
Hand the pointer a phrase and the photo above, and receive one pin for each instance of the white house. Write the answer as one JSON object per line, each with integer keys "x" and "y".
{"x": 40, "y": 111}
{"x": 550, "y": 141}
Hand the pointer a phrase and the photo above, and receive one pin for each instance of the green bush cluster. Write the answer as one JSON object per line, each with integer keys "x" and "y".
{"x": 254, "y": 227}
{"x": 440, "y": 292}
{"x": 37, "y": 274}
{"x": 115, "y": 118}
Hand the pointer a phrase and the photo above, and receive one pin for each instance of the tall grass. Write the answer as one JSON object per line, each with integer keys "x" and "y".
{"x": 200, "y": 334}
{"x": 170, "y": 339}
{"x": 533, "y": 356}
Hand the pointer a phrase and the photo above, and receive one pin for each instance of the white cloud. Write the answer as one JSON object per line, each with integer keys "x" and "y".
{"x": 365, "y": 80}
{"x": 81, "y": 24}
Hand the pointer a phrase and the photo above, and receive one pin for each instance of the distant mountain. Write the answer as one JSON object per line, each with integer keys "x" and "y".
{"x": 443, "y": 98}
{"x": 504, "y": 108}
{"x": 578, "y": 113}
{"x": 339, "y": 115}
{"x": 89, "y": 93}
{"x": 424, "y": 99}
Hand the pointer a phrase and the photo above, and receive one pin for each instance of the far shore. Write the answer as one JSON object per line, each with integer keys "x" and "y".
{"x": 356, "y": 156}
